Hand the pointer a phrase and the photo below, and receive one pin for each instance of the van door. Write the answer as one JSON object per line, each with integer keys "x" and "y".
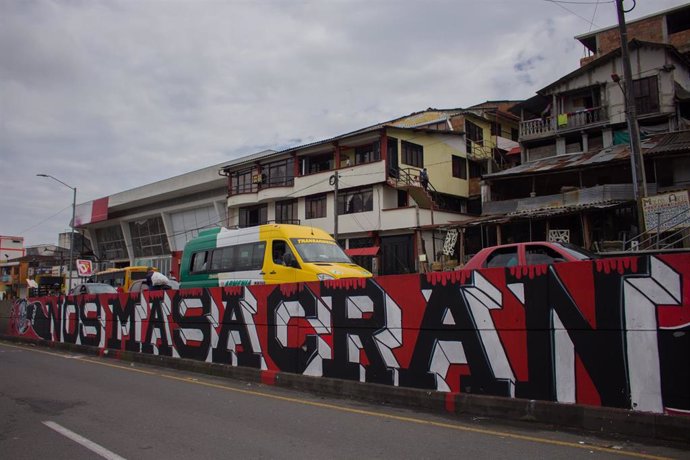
{"x": 275, "y": 269}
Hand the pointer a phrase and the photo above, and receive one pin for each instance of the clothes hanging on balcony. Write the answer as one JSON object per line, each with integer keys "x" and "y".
{"x": 562, "y": 119}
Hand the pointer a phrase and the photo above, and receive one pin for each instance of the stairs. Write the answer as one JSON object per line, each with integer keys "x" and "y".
{"x": 408, "y": 179}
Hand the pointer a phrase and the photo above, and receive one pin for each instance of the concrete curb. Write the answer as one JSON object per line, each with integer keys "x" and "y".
{"x": 640, "y": 425}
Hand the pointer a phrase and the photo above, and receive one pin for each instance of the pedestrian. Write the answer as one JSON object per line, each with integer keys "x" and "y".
{"x": 424, "y": 178}
{"x": 148, "y": 281}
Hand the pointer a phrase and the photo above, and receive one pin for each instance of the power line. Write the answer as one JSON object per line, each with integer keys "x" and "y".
{"x": 558, "y": 3}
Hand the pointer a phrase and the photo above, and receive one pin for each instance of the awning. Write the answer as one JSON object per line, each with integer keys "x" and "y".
{"x": 514, "y": 151}
{"x": 370, "y": 251}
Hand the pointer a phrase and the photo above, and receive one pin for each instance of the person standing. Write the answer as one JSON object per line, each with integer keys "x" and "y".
{"x": 424, "y": 178}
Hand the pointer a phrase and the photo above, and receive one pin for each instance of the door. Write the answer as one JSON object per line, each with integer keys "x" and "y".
{"x": 397, "y": 255}
{"x": 275, "y": 268}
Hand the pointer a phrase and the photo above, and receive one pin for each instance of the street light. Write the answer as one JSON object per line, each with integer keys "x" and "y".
{"x": 71, "y": 237}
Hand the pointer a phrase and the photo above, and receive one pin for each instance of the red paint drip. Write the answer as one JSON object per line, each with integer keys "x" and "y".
{"x": 233, "y": 290}
{"x": 619, "y": 265}
{"x": 289, "y": 289}
{"x": 531, "y": 271}
{"x": 346, "y": 283}
{"x": 269, "y": 377}
{"x": 443, "y": 278}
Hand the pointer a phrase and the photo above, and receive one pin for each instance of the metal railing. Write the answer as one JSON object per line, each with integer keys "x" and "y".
{"x": 410, "y": 177}
{"x": 562, "y": 122}
{"x": 669, "y": 233}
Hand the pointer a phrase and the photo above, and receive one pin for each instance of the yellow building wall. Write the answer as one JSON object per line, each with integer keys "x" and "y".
{"x": 438, "y": 152}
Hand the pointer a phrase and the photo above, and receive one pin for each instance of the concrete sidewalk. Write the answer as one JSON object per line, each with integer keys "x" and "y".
{"x": 639, "y": 425}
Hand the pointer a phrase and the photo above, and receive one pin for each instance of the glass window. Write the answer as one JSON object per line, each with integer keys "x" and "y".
{"x": 538, "y": 254}
{"x": 111, "y": 243}
{"x": 279, "y": 173}
{"x": 241, "y": 257}
{"x": 242, "y": 182}
{"x": 412, "y": 154}
{"x": 355, "y": 200}
{"x": 149, "y": 237}
{"x": 199, "y": 262}
{"x": 367, "y": 153}
{"x": 459, "y": 167}
{"x": 315, "y": 206}
{"x": 313, "y": 250}
{"x": 251, "y": 216}
{"x": 317, "y": 163}
{"x": 286, "y": 212}
{"x": 474, "y": 132}
{"x": 502, "y": 257}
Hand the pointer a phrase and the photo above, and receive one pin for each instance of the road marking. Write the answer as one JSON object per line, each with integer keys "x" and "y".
{"x": 452, "y": 426}
{"x": 92, "y": 446}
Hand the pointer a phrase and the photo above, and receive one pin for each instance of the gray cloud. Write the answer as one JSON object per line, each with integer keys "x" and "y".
{"x": 110, "y": 95}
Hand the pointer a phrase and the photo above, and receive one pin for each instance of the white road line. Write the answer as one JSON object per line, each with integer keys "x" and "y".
{"x": 92, "y": 446}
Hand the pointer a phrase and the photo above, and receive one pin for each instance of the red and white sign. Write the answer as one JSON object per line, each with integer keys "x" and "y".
{"x": 84, "y": 267}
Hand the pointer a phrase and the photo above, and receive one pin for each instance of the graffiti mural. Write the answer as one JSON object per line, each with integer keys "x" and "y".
{"x": 609, "y": 332}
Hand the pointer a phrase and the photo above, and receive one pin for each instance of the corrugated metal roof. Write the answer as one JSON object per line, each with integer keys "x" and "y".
{"x": 615, "y": 153}
{"x": 671, "y": 143}
{"x": 654, "y": 145}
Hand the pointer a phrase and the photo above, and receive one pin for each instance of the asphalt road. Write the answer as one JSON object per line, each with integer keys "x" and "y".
{"x": 65, "y": 406}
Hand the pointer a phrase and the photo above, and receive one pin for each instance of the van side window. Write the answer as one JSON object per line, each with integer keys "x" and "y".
{"x": 199, "y": 260}
{"x": 241, "y": 257}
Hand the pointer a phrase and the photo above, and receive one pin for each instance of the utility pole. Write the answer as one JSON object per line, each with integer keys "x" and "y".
{"x": 334, "y": 182}
{"x": 636, "y": 160}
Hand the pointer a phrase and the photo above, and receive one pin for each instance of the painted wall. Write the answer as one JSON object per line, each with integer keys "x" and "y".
{"x": 614, "y": 332}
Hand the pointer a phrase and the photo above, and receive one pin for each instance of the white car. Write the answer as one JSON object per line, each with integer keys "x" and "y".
{"x": 140, "y": 285}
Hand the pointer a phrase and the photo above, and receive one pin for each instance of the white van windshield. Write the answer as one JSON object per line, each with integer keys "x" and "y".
{"x": 315, "y": 251}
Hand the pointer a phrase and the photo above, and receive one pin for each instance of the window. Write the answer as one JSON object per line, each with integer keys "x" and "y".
{"x": 646, "y": 93}
{"x": 459, "y": 167}
{"x": 199, "y": 262}
{"x": 149, "y": 238}
{"x": 475, "y": 169}
{"x": 495, "y": 128}
{"x": 514, "y": 134}
{"x": 412, "y": 154}
{"x": 537, "y": 255}
{"x": 252, "y": 216}
{"x": 279, "y": 173}
{"x": 241, "y": 257}
{"x": 286, "y": 212}
{"x": 474, "y": 133}
{"x": 367, "y": 153}
{"x": 502, "y": 257}
{"x": 111, "y": 243}
{"x": 241, "y": 182}
{"x": 355, "y": 200}
{"x": 317, "y": 163}
{"x": 315, "y": 206}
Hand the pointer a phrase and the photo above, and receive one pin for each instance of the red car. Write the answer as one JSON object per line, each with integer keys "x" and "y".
{"x": 533, "y": 253}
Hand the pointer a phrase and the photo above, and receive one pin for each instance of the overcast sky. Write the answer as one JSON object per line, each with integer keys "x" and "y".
{"x": 111, "y": 95}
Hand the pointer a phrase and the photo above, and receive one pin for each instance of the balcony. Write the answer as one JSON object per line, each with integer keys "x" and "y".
{"x": 575, "y": 199}
{"x": 549, "y": 126}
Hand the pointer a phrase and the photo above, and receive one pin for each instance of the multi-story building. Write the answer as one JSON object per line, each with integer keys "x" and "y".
{"x": 671, "y": 27}
{"x": 377, "y": 206}
{"x": 575, "y": 174}
{"x": 11, "y": 247}
{"x": 386, "y": 219}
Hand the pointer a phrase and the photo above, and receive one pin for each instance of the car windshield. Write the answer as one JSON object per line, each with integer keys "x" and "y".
{"x": 578, "y": 252}
{"x": 315, "y": 251}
